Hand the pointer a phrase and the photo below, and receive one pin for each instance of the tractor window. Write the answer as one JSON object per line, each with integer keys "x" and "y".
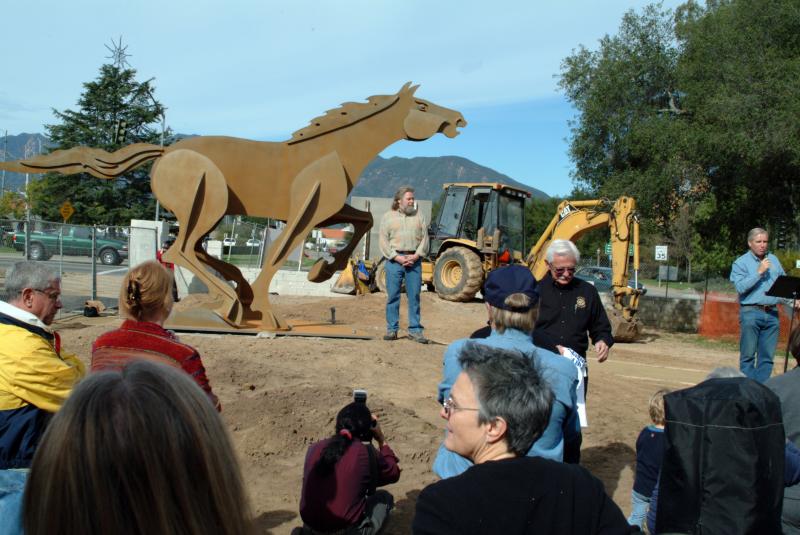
{"x": 451, "y": 211}
{"x": 478, "y": 213}
{"x": 512, "y": 212}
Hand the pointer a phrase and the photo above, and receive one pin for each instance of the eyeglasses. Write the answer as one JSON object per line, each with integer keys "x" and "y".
{"x": 562, "y": 270}
{"x": 450, "y": 406}
{"x": 53, "y": 297}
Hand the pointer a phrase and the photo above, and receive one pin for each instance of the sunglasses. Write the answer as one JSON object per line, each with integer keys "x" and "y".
{"x": 562, "y": 270}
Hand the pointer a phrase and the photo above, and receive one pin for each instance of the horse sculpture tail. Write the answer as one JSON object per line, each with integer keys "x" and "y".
{"x": 96, "y": 162}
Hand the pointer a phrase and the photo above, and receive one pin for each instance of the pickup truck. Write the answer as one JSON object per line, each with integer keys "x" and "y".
{"x": 77, "y": 241}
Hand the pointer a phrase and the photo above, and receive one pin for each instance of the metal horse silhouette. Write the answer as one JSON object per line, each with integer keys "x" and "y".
{"x": 303, "y": 181}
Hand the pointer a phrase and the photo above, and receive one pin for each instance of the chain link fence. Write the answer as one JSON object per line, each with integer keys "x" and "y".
{"x": 671, "y": 278}
{"x": 244, "y": 244}
{"x": 92, "y": 260}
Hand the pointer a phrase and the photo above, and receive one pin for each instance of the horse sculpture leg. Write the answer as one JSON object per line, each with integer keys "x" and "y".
{"x": 229, "y": 272}
{"x": 317, "y": 192}
{"x": 194, "y": 189}
{"x": 362, "y": 222}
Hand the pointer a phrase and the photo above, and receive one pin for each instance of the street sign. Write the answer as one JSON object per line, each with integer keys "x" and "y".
{"x": 66, "y": 210}
{"x": 608, "y": 249}
{"x": 661, "y": 253}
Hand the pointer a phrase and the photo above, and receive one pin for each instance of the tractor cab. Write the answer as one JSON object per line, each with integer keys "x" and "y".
{"x": 487, "y": 217}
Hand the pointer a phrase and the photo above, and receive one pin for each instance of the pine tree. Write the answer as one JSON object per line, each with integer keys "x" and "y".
{"x": 114, "y": 110}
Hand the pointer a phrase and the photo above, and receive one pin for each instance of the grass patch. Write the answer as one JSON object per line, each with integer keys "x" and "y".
{"x": 725, "y": 344}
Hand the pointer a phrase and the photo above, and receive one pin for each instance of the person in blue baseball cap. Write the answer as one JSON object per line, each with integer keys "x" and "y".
{"x": 512, "y": 298}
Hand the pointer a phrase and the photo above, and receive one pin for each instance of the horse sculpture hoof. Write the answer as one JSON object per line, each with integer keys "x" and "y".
{"x": 321, "y": 271}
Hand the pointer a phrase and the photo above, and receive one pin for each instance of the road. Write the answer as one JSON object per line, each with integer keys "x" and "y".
{"x": 76, "y": 264}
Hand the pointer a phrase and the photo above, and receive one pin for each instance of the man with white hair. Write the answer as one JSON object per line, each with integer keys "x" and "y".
{"x": 570, "y": 307}
{"x": 35, "y": 375}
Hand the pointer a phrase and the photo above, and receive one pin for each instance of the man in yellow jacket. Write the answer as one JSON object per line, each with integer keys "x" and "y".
{"x": 36, "y": 376}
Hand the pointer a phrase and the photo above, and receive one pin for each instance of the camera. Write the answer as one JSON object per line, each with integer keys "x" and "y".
{"x": 360, "y": 396}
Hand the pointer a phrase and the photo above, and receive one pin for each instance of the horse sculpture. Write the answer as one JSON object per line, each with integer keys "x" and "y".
{"x": 304, "y": 181}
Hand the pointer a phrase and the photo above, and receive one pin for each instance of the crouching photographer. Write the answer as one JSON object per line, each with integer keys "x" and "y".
{"x": 341, "y": 474}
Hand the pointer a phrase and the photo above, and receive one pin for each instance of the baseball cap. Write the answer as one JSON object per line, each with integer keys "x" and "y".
{"x": 508, "y": 280}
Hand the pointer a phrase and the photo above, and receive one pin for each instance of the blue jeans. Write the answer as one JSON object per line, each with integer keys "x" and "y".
{"x": 759, "y": 336}
{"x": 12, "y": 489}
{"x": 639, "y": 505}
{"x": 395, "y": 273}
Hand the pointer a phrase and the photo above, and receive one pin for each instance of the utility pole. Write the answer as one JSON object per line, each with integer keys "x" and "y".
{"x": 5, "y": 153}
{"x": 163, "y": 126}
{"x": 28, "y": 151}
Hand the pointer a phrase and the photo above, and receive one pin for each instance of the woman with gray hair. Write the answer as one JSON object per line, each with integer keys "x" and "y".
{"x": 497, "y": 408}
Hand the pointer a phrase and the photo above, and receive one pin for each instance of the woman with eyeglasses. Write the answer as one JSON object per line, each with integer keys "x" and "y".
{"x": 146, "y": 301}
{"x": 341, "y": 474}
{"x": 511, "y": 296}
{"x": 497, "y": 407}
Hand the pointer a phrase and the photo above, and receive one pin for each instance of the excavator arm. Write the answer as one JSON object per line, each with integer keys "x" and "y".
{"x": 575, "y": 218}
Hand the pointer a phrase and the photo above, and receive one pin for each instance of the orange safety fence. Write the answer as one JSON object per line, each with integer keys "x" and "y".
{"x": 719, "y": 318}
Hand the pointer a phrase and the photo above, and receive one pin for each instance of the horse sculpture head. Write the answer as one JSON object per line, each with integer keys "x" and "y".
{"x": 425, "y": 118}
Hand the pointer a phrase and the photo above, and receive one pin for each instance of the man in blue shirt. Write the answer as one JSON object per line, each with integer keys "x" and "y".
{"x": 753, "y": 274}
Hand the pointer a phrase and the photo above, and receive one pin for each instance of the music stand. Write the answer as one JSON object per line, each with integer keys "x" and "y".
{"x": 787, "y": 288}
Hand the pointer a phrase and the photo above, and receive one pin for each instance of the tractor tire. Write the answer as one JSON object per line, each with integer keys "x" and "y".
{"x": 458, "y": 274}
{"x": 37, "y": 252}
{"x": 380, "y": 279}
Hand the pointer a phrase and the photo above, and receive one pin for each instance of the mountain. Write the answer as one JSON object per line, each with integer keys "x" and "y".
{"x": 382, "y": 177}
{"x": 17, "y": 148}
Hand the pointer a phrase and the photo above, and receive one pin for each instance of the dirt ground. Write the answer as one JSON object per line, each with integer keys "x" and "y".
{"x": 280, "y": 395}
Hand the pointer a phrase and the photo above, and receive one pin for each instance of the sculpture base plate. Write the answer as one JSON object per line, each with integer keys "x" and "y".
{"x": 204, "y": 320}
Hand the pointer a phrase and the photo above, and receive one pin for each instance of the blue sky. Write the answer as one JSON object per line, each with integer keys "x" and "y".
{"x": 262, "y": 69}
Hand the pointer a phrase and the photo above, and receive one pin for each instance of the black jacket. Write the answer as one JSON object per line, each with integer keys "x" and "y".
{"x": 566, "y": 313}
{"x": 519, "y": 496}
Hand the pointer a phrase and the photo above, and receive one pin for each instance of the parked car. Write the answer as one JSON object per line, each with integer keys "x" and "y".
{"x": 253, "y": 242}
{"x": 600, "y": 277}
{"x": 74, "y": 241}
{"x": 229, "y": 242}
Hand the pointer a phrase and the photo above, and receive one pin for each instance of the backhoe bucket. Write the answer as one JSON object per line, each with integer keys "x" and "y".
{"x": 623, "y": 330}
{"x": 345, "y": 284}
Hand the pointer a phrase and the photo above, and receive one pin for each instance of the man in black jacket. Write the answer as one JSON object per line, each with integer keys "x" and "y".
{"x": 570, "y": 307}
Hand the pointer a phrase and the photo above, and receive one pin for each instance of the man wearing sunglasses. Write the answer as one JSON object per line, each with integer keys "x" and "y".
{"x": 36, "y": 376}
{"x": 570, "y": 307}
